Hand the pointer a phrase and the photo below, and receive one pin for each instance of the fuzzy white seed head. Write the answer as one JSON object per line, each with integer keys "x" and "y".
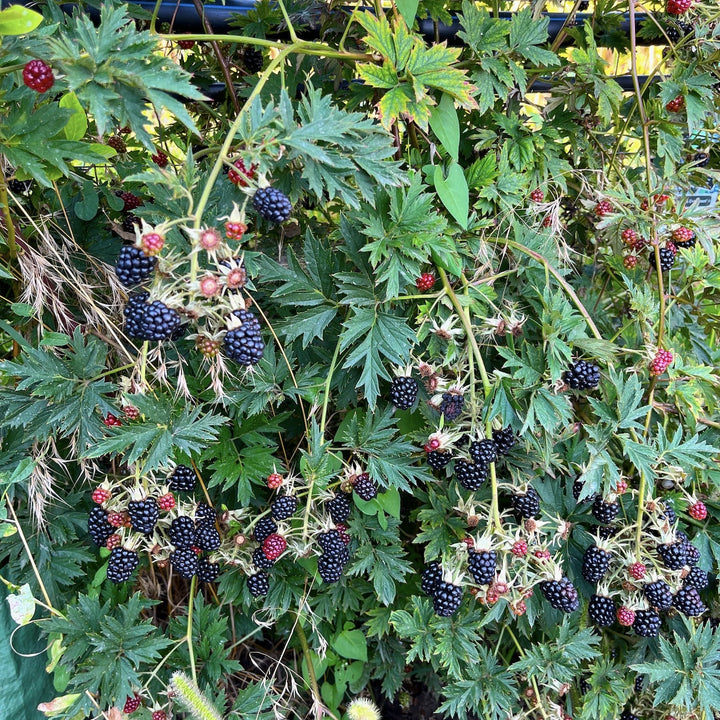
{"x": 363, "y": 709}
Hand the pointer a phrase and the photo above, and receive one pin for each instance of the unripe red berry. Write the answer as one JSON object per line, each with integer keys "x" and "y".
{"x": 274, "y": 481}
{"x": 630, "y": 261}
{"x": 160, "y": 159}
{"x": 159, "y": 715}
{"x": 131, "y": 704}
{"x": 661, "y": 362}
{"x": 682, "y": 234}
{"x": 637, "y": 570}
{"x": 625, "y": 616}
{"x": 111, "y": 421}
{"x": 101, "y": 495}
{"x": 166, "y": 502}
{"x": 152, "y": 243}
{"x": 469, "y": 542}
{"x": 537, "y": 195}
{"x": 240, "y": 178}
{"x": 519, "y": 548}
{"x": 678, "y": 7}
{"x": 629, "y": 237}
{"x": 131, "y": 412}
{"x": 274, "y": 546}
{"x": 676, "y": 104}
{"x": 235, "y": 230}
{"x": 603, "y": 208}
{"x": 425, "y": 282}
{"x": 186, "y": 44}
{"x": 698, "y": 510}
{"x": 38, "y": 76}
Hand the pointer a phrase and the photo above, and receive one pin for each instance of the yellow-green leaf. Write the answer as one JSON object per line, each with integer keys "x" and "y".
{"x": 77, "y": 124}
{"x": 408, "y": 10}
{"x": 379, "y": 76}
{"x": 380, "y": 35}
{"x": 394, "y": 104}
{"x": 18, "y": 20}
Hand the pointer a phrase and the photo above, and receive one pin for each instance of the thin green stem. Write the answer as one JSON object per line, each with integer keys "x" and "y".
{"x": 286, "y": 17}
{"x": 188, "y": 634}
{"x": 326, "y": 396}
{"x": 9, "y": 224}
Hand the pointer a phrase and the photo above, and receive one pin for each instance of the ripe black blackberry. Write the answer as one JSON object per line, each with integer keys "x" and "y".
{"x": 582, "y": 375}
{"x": 605, "y": 512}
{"x": 339, "y": 507}
{"x": 284, "y": 507}
{"x": 207, "y": 571}
{"x": 438, "y": 459}
{"x": 647, "y": 623}
{"x": 133, "y": 265}
{"x": 330, "y": 568}
{"x": 471, "y": 476}
{"x": 696, "y": 578}
{"x": 446, "y": 598}
{"x": 403, "y": 392}
{"x": 561, "y": 594}
{"x": 258, "y": 584}
{"x": 639, "y": 683}
{"x": 431, "y": 577}
{"x": 627, "y": 715}
{"x": 483, "y": 452}
{"x": 144, "y": 515}
{"x": 692, "y": 554}
{"x": 526, "y": 504}
{"x": 19, "y": 187}
{"x": 667, "y": 258}
{"x": 332, "y": 544}
{"x": 577, "y": 487}
{"x": 244, "y": 344}
{"x": 605, "y": 532}
{"x": 182, "y": 532}
{"x": 122, "y": 564}
{"x": 260, "y": 560}
{"x": 668, "y": 512}
{"x": 98, "y": 526}
{"x": 658, "y": 594}
{"x": 482, "y": 565}
{"x": 207, "y": 537}
{"x": 158, "y": 322}
{"x": 365, "y": 487}
{"x": 134, "y": 311}
{"x": 451, "y": 406}
{"x": 183, "y": 479}
{"x": 272, "y": 204}
{"x": 265, "y": 526}
{"x": 128, "y": 223}
{"x": 253, "y": 60}
{"x": 596, "y": 562}
{"x": 184, "y": 562}
{"x": 673, "y": 555}
{"x": 601, "y": 610}
{"x": 583, "y": 5}
{"x": 504, "y": 440}
{"x": 204, "y": 512}
{"x": 688, "y": 602}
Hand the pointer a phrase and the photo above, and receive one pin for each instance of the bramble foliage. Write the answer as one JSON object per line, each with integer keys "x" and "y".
{"x": 406, "y": 385}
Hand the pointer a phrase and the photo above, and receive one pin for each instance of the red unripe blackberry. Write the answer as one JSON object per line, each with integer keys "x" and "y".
{"x": 339, "y": 507}
{"x": 519, "y": 548}
{"x": 596, "y": 562}
{"x": 603, "y": 208}
{"x": 207, "y": 571}
{"x": 683, "y": 237}
{"x": 144, "y": 515}
{"x": 38, "y": 76}
{"x": 130, "y": 201}
{"x": 244, "y": 344}
{"x": 629, "y": 237}
{"x": 284, "y": 507}
{"x": 274, "y": 546}
{"x": 561, "y": 594}
{"x": 542, "y": 554}
{"x": 630, "y": 262}
{"x": 117, "y": 144}
{"x": 186, "y": 44}
{"x": 582, "y": 375}
{"x": 425, "y": 282}
{"x": 99, "y": 528}
{"x": 658, "y": 594}
{"x": 131, "y": 412}
{"x": 537, "y": 195}
{"x": 403, "y": 392}
{"x": 446, "y": 599}
{"x": 159, "y": 715}
{"x": 688, "y": 602}
{"x": 661, "y": 362}
{"x": 258, "y": 584}
{"x": 330, "y": 568}
{"x": 601, "y": 610}
{"x": 637, "y": 571}
{"x": 122, "y": 564}
{"x": 527, "y": 504}
{"x": 160, "y": 159}
{"x": 483, "y": 452}
{"x": 182, "y": 532}
{"x": 132, "y": 703}
{"x": 678, "y": 103}
{"x": 647, "y": 623}
{"x": 184, "y": 562}
{"x": 365, "y": 487}
{"x": 625, "y": 616}
{"x": 470, "y": 475}
{"x": 482, "y": 565}
{"x": 697, "y": 510}
{"x": 113, "y": 541}
{"x": 116, "y": 519}
{"x": 678, "y": 7}
{"x": 166, "y": 502}
{"x": 111, "y": 421}
{"x": 451, "y": 406}
{"x": 183, "y": 479}
{"x": 101, "y": 495}
{"x": 621, "y": 487}
{"x": 272, "y": 204}
{"x": 207, "y": 536}
{"x": 240, "y": 178}
{"x": 431, "y": 577}
{"x": 504, "y": 440}
{"x": 274, "y": 481}
{"x": 152, "y": 243}
{"x": 437, "y": 459}
{"x": 342, "y": 532}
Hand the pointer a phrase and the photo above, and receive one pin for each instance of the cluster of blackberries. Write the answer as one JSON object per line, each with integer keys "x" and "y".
{"x": 151, "y": 320}
{"x": 189, "y": 538}
{"x": 403, "y": 392}
{"x": 333, "y": 543}
{"x": 446, "y": 596}
{"x": 244, "y": 343}
{"x": 582, "y": 375}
